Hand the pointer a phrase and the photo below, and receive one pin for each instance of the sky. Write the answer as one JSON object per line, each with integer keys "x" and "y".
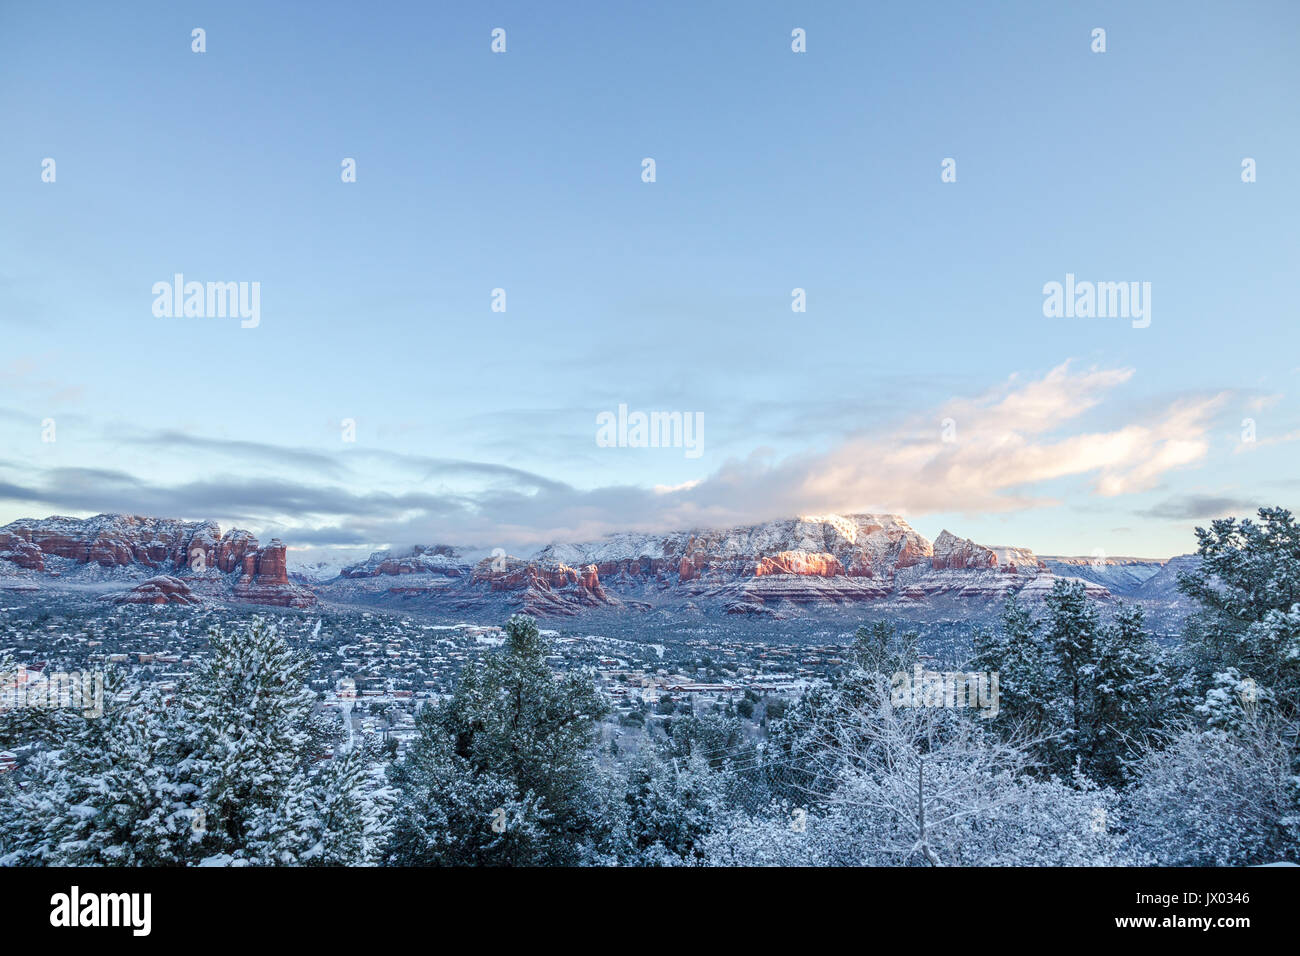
{"x": 922, "y": 379}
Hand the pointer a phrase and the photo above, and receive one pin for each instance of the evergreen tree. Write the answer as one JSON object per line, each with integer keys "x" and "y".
{"x": 248, "y": 749}
{"x": 105, "y": 797}
{"x": 452, "y": 813}
{"x": 1129, "y": 692}
{"x": 1232, "y": 701}
{"x": 1247, "y": 584}
{"x": 717, "y": 738}
{"x": 10, "y": 730}
{"x": 669, "y": 809}
{"x": 350, "y": 806}
{"x": 879, "y": 649}
{"x": 504, "y": 772}
{"x": 1071, "y": 638}
{"x": 1016, "y": 654}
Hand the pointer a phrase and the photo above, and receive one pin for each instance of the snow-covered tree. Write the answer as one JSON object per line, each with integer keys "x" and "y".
{"x": 249, "y": 743}
{"x": 1072, "y": 628}
{"x": 1130, "y": 694}
{"x": 926, "y": 786}
{"x": 505, "y": 772}
{"x": 451, "y": 812}
{"x": 717, "y": 738}
{"x": 1015, "y": 652}
{"x": 1217, "y": 797}
{"x": 106, "y": 796}
{"x": 350, "y": 805}
{"x": 1231, "y": 701}
{"x": 793, "y": 767}
{"x": 9, "y": 735}
{"x": 923, "y": 775}
{"x": 1247, "y": 584}
{"x": 880, "y": 649}
{"x": 669, "y": 806}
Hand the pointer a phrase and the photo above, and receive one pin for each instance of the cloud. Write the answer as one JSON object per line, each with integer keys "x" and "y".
{"x": 243, "y": 450}
{"x": 1008, "y": 448}
{"x": 1001, "y": 445}
{"x": 1197, "y": 507}
{"x": 1257, "y": 443}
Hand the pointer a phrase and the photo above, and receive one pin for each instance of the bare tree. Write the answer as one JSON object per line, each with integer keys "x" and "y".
{"x": 922, "y": 775}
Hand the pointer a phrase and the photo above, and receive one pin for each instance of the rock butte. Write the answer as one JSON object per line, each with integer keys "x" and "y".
{"x": 807, "y": 561}
{"x": 825, "y": 560}
{"x": 230, "y": 566}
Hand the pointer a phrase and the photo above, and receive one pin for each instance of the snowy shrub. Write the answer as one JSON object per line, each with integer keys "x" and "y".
{"x": 1217, "y": 797}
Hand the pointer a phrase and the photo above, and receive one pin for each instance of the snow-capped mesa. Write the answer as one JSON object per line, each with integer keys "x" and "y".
{"x": 785, "y": 568}
{"x": 183, "y": 560}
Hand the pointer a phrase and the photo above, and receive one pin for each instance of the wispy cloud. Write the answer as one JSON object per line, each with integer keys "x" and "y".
{"x": 1197, "y": 507}
{"x": 1001, "y": 450}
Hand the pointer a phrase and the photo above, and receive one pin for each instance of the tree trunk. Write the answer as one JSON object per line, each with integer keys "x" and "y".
{"x": 926, "y": 850}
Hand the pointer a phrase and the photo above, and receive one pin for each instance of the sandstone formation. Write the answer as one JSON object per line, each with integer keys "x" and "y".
{"x": 230, "y": 566}
{"x": 774, "y": 567}
{"x": 806, "y": 562}
{"x": 161, "y": 589}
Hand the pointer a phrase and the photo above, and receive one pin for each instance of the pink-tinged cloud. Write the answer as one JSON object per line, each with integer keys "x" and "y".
{"x": 1001, "y": 445}
{"x": 992, "y": 453}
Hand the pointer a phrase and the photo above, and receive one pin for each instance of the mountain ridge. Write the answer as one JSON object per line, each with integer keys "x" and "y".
{"x": 780, "y": 568}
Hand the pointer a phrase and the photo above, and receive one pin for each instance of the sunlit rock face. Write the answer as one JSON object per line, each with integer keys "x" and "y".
{"x": 954, "y": 553}
{"x": 805, "y": 562}
{"x": 264, "y": 579}
{"x": 229, "y": 567}
{"x": 790, "y": 566}
{"x": 800, "y": 562}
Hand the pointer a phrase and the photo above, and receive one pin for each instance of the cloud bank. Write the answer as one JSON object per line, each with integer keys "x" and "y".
{"x": 1008, "y": 448}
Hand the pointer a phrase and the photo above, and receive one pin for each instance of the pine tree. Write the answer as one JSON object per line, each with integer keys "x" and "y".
{"x": 1232, "y": 701}
{"x": 669, "y": 809}
{"x": 1016, "y": 654}
{"x": 879, "y": 649}
{"x": 1247, "y": 585}
{"x": 1071, "y": 638}
{"x": 451, "y": 813}
{"x": 1129, "y": 692}
{"x": 249, "y": 742}
{"x": 717, "y": 738}
{"x": 350, "y": 805}
{"x": 505, "y": 772}
{"x": 10, "y": 733}
{"x": 105, "y": 797}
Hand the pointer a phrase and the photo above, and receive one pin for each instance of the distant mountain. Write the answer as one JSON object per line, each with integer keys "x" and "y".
{"x": 1163, "y": 586}
{"x": 791, "y": 568}
{"x": 184, "y": 561}
{"x": 1120, "y": 576}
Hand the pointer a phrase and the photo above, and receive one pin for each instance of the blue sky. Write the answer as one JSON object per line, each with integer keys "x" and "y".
{"x": 775, "y": 170}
